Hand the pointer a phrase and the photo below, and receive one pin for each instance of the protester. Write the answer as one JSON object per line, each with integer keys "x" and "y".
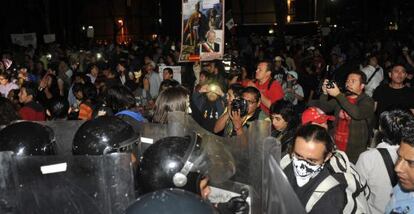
{"x": 6, "y": 85}
{"x": 169, "y": 100}
{"x": 375, "y": 165}
{"x": 285, "y": 121}
{"x": 402, "y": 194}
{"x": 311, "y": 150}
{"x": 270, "y": 90}
{"x": 31, "y": 109}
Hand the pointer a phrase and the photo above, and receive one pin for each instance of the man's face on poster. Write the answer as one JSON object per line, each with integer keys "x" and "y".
{"x": 211, "y": 37}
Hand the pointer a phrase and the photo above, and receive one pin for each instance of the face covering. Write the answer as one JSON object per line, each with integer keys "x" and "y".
{"x": 304, "y": 171}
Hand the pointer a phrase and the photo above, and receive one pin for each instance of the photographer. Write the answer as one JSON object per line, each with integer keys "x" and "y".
{"x": 292, "y": 89}
{"x": 240, "y": 112}
{"x": 353, "y": 109}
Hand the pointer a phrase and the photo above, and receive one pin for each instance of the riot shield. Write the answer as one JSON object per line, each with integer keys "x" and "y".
{"x": 256, "y": 157}
{"x": 64, "y": 133}
{"x": 65, "y": 184}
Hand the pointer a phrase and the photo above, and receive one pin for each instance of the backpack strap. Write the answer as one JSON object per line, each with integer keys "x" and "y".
{"x": 389, "y": 164}
{"x": 285, "y": 161}
{"x": 327, "y": 184}
{"x": 372, "y": 75}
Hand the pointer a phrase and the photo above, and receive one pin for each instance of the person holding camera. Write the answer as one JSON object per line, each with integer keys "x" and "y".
{"x": 354, "y": 111}
{"x": 292, "y": 89}
{"x": 240, "y": 112}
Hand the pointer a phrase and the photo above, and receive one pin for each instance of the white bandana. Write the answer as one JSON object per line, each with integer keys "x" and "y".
{"x": 304, "y": 171}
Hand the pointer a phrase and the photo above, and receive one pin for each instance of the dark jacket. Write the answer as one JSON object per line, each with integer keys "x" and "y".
{"x": 362, "y": 115}
{"x": 332, "y": 202}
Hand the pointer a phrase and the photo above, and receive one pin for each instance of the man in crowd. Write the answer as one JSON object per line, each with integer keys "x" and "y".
{"x": 374, "y": 73}
{"x": 353, "y": 110}
{"x": 279, "y": 71}
{"x": 234, "y": 121}
{"x": 395, "y": 94}
{"x": 375, "y": 165}
{"x": 31, "y": 109}
{"x": 270, "y": 90}
{"x": 167, "y": 74}
{"x": 306, "y": 168}
{"x": 402, "y": 200}
{"x": 154, "y": 79}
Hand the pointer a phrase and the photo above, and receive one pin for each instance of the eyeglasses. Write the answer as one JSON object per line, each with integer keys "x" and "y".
{"x": 251, "y": 102}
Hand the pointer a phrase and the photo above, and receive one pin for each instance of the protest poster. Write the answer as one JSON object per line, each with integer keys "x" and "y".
{"x": 202, "y": 32}
{"x": 24, "y": 39}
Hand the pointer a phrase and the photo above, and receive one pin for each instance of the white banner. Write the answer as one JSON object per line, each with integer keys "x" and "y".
{"x": 49, "y": 38}
{"x": 24, "y": 39}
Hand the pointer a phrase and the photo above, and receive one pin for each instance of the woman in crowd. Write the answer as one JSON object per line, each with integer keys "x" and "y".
{"x": 123, "y": 104}
{"x": 169, "y": 100}
{"x": 6, "y": 85}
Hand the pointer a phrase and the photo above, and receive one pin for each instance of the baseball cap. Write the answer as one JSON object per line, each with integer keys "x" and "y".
{"x": 311, "y": 48}
{"x": 316, "y": 115}
{"x": 278, "y": 58}
{"x": 293, "y": 74}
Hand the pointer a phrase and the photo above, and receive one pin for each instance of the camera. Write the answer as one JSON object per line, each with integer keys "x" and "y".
{"x": 330, "y": 84}
{"x": 239, "y": 104}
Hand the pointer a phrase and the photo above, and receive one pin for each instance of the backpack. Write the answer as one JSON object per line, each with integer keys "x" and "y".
{"x": 342, "y": 171}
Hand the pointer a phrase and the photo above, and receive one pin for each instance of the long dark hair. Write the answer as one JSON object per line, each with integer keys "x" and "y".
{"x": 171, "y": 99}
{"x": 7, "y": 112}
{"x": 119, "y": 98}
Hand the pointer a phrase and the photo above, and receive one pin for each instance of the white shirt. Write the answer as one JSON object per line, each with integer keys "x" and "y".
{"x": 375, "y": 81}
{"x": 371, "y": 166}
{"x": 290, "y": 96}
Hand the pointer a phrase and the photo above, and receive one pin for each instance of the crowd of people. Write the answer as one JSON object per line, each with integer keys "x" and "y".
{"x": 351, "y": 101}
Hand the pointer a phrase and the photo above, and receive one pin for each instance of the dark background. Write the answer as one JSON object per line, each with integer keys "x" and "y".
{"x": 65, "y": 18}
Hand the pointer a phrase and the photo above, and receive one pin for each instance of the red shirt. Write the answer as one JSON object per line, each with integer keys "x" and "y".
{"x": 32, "y": 111}
{"x": 273, "y": 93}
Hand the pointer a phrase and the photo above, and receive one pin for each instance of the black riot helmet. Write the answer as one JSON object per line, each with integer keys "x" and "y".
{"x": 103, "y": 135}
{"x": 171, "y": 201}
{"x": 28, "y": 138}
{"x": 182, "y": 162}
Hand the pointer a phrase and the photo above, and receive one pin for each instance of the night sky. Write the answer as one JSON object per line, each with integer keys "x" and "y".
{"x": 65, "y": 18}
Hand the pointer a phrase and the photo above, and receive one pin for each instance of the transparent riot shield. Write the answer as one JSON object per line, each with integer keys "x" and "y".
{"x": 256, "y": 158}
{"x": 65, "y": 184}
{"x": 64, "y": 132}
